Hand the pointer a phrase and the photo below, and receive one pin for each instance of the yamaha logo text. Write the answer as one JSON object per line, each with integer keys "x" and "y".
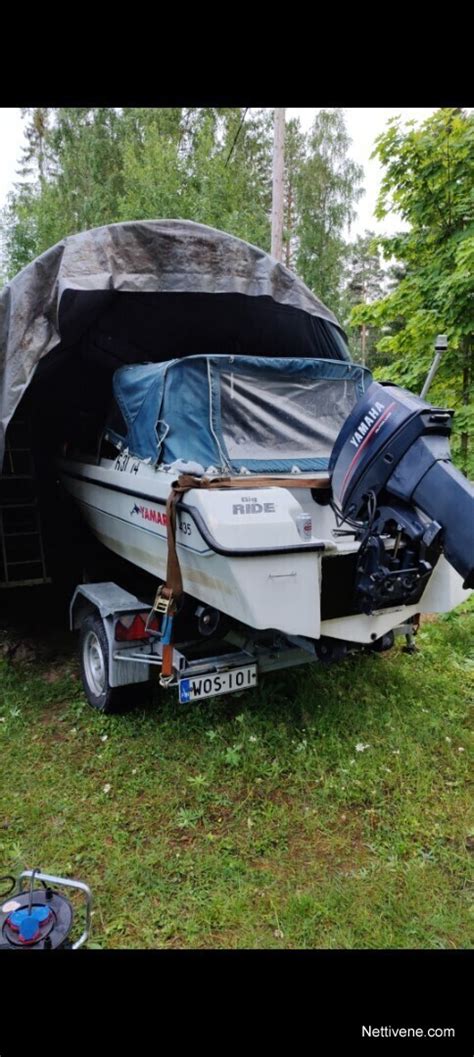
{"x": 372, "y": 415}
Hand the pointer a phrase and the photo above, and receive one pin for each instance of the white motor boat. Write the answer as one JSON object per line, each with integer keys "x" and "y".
{"x": 317, "y": 537}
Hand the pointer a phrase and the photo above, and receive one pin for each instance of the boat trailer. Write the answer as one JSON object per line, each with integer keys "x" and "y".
{"x": 117, "y": 653}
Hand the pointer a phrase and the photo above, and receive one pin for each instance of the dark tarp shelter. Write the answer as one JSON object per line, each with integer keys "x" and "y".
{"x": 143, "y": 291}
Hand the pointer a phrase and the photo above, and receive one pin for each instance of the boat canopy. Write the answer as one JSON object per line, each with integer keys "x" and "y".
{"x": 234, "y": 413}
{"x": 148, "y": 290}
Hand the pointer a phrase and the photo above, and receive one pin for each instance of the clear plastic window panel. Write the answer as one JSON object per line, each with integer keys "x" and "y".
{"x": 267, "y": 416}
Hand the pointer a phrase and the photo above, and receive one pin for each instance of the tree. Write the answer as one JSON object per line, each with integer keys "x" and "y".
{"x": 71, "y": 180}
{"x": 364, "y": 283}
{"x": 153, "y": 160}
{"x": 428, "y": 181}
{"x": 35, "y": 158}
{"x": 19, "y": 222}
{"x": 328, "y": 188}
{"x": 86, "y": 185}
{"x": 213, "y": 167}
{"x": 294, "y": 161}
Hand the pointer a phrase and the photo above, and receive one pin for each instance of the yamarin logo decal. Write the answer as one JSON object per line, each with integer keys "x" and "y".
{"x": 148, "y": 514}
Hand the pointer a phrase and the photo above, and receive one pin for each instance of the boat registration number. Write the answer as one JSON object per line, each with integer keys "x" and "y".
{"x": 210, "y": 684}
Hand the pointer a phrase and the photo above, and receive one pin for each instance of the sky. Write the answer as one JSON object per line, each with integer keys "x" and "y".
{"x": 363, "y": 124}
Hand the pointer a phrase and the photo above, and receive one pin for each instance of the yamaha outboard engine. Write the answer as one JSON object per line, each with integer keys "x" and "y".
{"x": 41, "y": 918}
{"x": 394, "y": 481}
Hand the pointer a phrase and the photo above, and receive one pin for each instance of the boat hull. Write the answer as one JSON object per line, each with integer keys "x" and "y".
{"x": 251, "y": 566}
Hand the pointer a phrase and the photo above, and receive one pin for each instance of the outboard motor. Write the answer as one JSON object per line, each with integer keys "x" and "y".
{"x": 393, "y": 480}
{"x": 41, "y": 918}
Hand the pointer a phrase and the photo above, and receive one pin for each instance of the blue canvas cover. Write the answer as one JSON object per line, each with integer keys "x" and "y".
{"x": 236, "y": 413}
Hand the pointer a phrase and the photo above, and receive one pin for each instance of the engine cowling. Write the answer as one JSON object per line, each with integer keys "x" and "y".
{"x": 391, "y": 470}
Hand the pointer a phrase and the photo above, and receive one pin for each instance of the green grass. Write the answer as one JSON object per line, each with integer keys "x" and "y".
{"x": 253, "y": 821}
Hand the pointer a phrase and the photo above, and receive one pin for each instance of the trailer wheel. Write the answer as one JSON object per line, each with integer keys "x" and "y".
{"x": 94, "y": 661}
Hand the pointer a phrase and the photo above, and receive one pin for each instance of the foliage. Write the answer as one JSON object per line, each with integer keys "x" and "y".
{"x": 207, "y": 165}
{"x": 326, "y": 808}
{"x": 84, "y": 167}
{"x": 429, "y": 181}
{"x": 328, "y": 187}
{"x": 36, "y": 158}
{"x": 365, "y": 281}
{"x": 106, "y": 165}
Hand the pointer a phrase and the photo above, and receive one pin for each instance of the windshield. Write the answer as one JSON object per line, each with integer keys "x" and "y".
{"x": 273, "y": 416}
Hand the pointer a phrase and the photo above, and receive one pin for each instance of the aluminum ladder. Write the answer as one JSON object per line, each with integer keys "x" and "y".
{"x": 22, "y": 558}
